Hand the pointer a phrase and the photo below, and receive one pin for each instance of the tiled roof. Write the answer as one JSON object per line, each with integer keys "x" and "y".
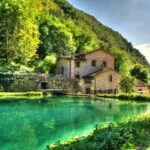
{"x": 99, "y": 71}
{"x": 71, "y": 57}
{"x": 77, "y": 55}
{"x": 140, "y": 83}
{"x": 106, "y": 51}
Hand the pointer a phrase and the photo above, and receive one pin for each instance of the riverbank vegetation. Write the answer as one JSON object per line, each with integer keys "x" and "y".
{"x": 133, "y": 134}
{"x": 10, "y": 94}
{"x": 124, "y": 96}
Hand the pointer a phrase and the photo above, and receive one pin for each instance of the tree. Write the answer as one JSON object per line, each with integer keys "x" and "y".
{"x": 55, "y": 38}
{"x": 140, "y": 73}
{"x": 19, "y": 36}
{"x": 48, "y": 63}
{"x": 8, "y": 27}
{"x": 127, "y": 84}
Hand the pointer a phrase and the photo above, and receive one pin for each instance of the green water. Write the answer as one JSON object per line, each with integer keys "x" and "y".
{"x": 32, "y": 124}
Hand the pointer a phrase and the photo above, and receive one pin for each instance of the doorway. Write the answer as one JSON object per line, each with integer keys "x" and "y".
{"x": 44, "y": 85}
{"x": 88, "y": 90}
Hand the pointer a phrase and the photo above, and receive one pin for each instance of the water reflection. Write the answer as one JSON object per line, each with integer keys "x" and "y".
{"x": 33, "y": 124}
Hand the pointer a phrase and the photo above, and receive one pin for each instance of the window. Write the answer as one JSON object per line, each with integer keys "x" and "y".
{"x": 110, "y": 78}
{"x": 62, "y": 70}
{"x": 104, "y": 64}
{"x": 88, "y": 81}
{"x": 77, "y": 64}
{"x": 93, "y": 63}
{"x": 77, "y": 76}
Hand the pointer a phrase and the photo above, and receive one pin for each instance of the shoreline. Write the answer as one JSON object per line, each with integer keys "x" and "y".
{"x": 121, "y": 96}
{"x": 19, "y": 94}
{"x": 127, "y": 97}
{"x": 122, "y": 135}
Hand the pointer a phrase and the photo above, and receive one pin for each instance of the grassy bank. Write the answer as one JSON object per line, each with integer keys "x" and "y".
{"x": 134, "y": 134}
{"x": 137, "y": 97}
{"x": 9, "y": 94}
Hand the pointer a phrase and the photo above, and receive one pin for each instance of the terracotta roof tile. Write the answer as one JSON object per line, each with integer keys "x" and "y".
{"x": 140, "y": 83}
{"x": 99, "y": 71}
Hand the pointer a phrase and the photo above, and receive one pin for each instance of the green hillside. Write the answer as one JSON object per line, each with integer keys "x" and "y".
{"x": 34, "y": 32}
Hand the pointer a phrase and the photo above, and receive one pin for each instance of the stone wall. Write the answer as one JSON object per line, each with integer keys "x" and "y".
{"x": 70, "y": 69}
{"x": 65, "y": 63}
{"x": 103, "y": 80}
{"x": 142, "y": 90}
{"x": 101, "y": 83}
{"x": 24, "y": 85}
{"x": 71, "y": 85}
{"x": 100, "y": 56}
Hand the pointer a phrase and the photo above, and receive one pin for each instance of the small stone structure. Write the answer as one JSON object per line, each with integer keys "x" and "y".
{"x": 58, "y": 83}
{"x": 141, "y": 87}
{"x": 36, "y": 82}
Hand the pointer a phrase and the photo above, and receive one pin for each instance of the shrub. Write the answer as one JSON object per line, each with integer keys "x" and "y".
{"x": 1, "y": 88}
{"x": 127, "y": 84}
{"x": 48, "y": 64}
{"x": 112, "y": 137}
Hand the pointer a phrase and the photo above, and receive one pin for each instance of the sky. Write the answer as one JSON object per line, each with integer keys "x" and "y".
{"x": 131, "y": 18}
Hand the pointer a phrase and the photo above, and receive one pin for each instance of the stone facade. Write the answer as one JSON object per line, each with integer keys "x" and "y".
{"x": 58, "y": 83}
{"x": 107, "y": 80}
{"x": 93, "y": 69}
{"x": 100, "y": 57}
{"x": 141, "y": 87}
{"x": 142, "y": 90}
{"x": 67, "y": 66}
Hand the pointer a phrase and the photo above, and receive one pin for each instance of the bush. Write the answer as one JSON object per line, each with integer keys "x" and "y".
{"x": 112, "y": 137}
{"x": 127, "y": 84}
{"x": 7, "y": 94}
{"x": 124, "y": 96}
{"x": 48, "y": 64}
{"x": 1, "y": 88}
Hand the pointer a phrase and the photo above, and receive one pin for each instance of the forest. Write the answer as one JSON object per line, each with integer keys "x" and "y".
{"x": 34, "y": 33}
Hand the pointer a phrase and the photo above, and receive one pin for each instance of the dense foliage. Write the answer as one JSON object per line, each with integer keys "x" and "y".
{"x": 32, "y": 30}
{"x": 140, "y": 73}
{"x": 19, "y": 36}
{"x": 127, "y": 84}
{"x": 48, "y": 64}
{"x": 125, "y": 135}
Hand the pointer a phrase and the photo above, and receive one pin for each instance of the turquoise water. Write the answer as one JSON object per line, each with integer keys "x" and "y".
{"x": 33, "y": 124}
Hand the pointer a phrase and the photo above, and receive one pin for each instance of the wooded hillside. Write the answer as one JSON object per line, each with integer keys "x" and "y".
{"x": 32, "y": 32}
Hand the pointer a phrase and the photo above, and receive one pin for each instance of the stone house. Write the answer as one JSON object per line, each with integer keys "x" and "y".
{"x": 95, "y": 71}
{"x": 141, "y": 87}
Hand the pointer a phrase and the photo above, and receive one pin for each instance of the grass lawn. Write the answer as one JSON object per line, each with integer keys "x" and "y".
{"x": 9, "y": 94}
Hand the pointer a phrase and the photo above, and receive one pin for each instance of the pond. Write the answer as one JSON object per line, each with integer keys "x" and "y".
{"x": 31, "y": 124}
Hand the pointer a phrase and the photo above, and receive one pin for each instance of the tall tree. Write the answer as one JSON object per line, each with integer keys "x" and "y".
{"x": 140, "y": 73}
{"x": 127, "y": 84}
{"x": 18, "y": 30}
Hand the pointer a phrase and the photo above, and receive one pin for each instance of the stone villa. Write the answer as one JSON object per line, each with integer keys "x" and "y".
{"x": 95, "y": 71}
